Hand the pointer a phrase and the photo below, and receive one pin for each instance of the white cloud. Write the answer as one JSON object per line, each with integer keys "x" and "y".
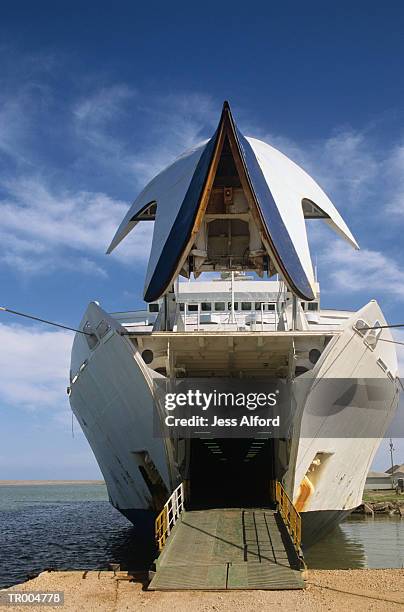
{"x": 174, "y": 124}
{"x": 347, "y": 164}
{"x": 177, "y": 123}
{"x": 354, "y": 168}
{"x": 95, "y": 119}
{"x": 49, "y": 225}
{"x": 395, "y": 175}
{"x": 365, "y": 182}
{"x": 9, "y": 125}
{"x": 25, "y": 102}
{"x": 103, "y": 104}
{"x": 34, "y": 364}
{"x": 42, "y": 230}
{"x": 365, "y": 270}
{"x": 76, "y": 220}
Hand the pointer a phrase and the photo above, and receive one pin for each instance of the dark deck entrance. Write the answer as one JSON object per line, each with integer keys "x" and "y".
{"x": 228, "y": 473}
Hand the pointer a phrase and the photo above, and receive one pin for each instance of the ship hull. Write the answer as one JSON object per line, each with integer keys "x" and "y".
{"x": 317, "y": 524}
{"x": 111, "y": 394}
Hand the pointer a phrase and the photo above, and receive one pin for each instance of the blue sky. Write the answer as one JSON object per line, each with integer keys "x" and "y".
{"x": 95, "y": 98}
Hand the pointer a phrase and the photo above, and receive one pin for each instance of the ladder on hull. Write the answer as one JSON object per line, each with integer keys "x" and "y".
{"x": 229, "y": 548}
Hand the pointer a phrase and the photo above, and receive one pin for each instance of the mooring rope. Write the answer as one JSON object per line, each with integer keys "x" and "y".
{"x": 27, "y": 316}
{"x": 391, "y": 341}
{"x": 385, "y": 326}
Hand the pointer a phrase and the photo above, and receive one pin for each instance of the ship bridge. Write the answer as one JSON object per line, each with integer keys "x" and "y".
{"x": 232, "y": 326}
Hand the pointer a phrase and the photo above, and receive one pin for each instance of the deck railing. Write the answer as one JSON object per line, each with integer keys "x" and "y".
{"x": 264, "y": 319}
{"x": 290, "y": 515}
{"x": 169, "y": 515}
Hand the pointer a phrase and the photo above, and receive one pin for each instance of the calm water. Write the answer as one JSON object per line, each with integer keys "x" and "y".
{"x": 75, "y": 527}
{"x": 361, "y": 542}
{"x": 63, "y": 527}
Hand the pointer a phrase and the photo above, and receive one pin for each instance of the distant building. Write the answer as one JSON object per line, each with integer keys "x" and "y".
{"x": 377, "y": 481}
{"x": 392, "y": 469}
{"x": 397, "y": 471}
{"x": 382, "y": 480}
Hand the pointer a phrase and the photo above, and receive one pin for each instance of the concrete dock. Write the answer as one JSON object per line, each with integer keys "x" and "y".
{"x": 332, "y": 590}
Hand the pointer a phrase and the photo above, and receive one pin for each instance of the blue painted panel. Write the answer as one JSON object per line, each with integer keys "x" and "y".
{"x": 279, "y": 236}
{"x": 182, "y": 227}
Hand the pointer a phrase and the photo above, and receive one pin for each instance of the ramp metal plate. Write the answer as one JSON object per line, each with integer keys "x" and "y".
{"x": 228, "y": 549}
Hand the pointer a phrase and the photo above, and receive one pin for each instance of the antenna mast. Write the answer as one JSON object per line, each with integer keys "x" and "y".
{"x": 392, "y": 463}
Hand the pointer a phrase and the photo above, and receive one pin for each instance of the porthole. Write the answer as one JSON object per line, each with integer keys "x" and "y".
{"x": 147, "y": 356}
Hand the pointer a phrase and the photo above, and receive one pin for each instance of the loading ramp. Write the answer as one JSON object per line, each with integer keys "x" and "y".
{"x": 228, "y": 548}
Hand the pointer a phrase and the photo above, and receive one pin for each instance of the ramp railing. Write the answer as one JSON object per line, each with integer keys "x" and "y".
{"x": 290, "y": 516}
{"x": 169, "y": 515}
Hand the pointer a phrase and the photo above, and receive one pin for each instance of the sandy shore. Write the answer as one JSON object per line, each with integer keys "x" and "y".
{"x": 354, "y": 590}
{"x": 11, "y": 483}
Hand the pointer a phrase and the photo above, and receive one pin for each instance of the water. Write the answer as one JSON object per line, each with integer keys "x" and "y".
{"x": 361, "y": 542}
{"x": 14, "y": 498}
{"x": 63, "y": 527}
{"x": 75, "y": 527}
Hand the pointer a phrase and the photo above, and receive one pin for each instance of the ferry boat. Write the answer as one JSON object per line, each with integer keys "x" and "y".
{"x": 234, "y": 208}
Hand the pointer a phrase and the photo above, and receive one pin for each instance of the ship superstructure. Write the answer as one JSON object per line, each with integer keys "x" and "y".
{"x": 235, "y": 209}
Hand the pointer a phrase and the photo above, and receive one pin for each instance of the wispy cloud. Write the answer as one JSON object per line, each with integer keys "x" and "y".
{"x": 367, "y": 271}
{"x": 360, "y": 171}
{"x": 366, "y": 183}
{"x": 97, "y": 120}
{"x": 102, "y": 105}
{"x": 40, "y": 227}
{"x": 47, "y": 223}
{"x": 347, "y": 164}
{"x": 35, "y": 367}
{"x": 395, "y": 174}
{"x": 157, "y": 130}
{"x": 177, "y": 123}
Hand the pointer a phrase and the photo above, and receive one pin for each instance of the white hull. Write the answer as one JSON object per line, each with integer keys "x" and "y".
{"x": 349, "y": 437}
{"x": 113, "y": 403}
{"x": 112, "y": 400}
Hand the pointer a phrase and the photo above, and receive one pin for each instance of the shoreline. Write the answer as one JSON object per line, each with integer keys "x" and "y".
{"x": 372, "y": 508}
{"x": 363, "y": 589}
{"x": 26, "y": 483}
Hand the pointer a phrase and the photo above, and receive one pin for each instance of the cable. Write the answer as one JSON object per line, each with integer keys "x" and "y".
{"x": 27, "y": 316}
{"x": 385, "y": 326}
{"x": 390, "y": 341}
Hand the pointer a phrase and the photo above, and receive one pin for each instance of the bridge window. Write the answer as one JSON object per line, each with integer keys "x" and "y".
{"x": 313, "y": 306}
{"x": 153, "y": 307}
{"x": 245, "y": 305}
{"x": 192, "y": 307}
{"x": 220, "y": 306}
{"x": 258, "y": 305}
{"x": 235, "y": 305}
{"x": 206, "y": 306}
{"x": 181, "y": 306}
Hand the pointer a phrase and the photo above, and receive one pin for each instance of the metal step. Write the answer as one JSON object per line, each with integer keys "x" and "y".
{"x": 228, "y": 549}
